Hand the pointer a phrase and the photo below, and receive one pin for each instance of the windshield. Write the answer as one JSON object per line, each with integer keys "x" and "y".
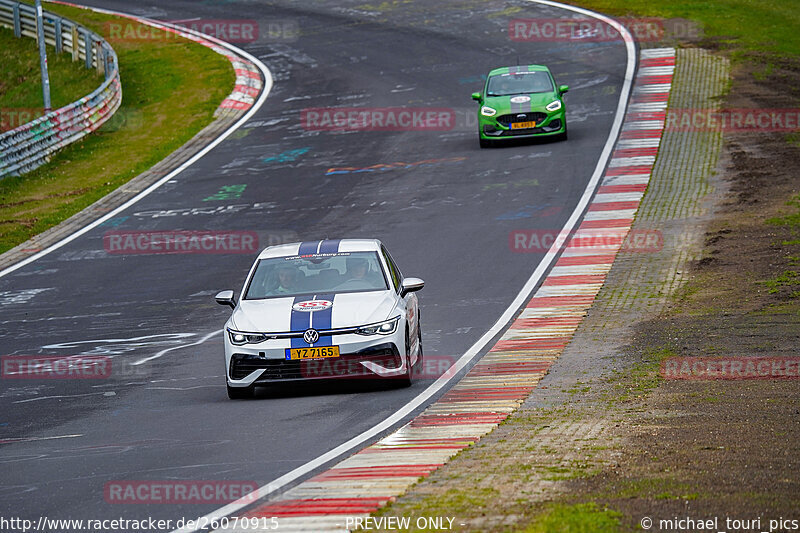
{"x": 522, "y": 83}
{"x": 281, "y": 277}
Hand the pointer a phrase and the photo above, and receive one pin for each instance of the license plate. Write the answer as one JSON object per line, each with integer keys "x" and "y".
{"x": 522, "y": 125}
{"x": 313, "y": 352}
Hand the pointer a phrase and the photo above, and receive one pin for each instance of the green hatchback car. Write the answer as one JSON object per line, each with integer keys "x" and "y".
{"x": 519, "y": 102}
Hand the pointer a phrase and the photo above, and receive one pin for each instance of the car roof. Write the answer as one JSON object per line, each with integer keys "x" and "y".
{"x": 518, "y": 69}
{"x": 340, "y": 245}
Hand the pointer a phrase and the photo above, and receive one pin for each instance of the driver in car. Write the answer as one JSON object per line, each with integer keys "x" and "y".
{"x": 287, "y": 279}
{"x": 357, "y": 268}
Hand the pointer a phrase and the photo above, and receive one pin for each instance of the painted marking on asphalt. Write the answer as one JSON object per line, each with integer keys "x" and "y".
{"x": 32, "y": 439}
{"x": 112, "y": 347}
{"x": 21, "y": 296}
{"x": 166, "y": 351}
{"x": 63, "y": 396}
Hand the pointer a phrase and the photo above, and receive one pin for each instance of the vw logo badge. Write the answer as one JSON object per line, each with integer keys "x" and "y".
{"x": 311, "y": 336}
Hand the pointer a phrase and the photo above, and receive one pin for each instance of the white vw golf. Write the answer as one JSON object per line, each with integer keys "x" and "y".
{"x": 321, "y": 310}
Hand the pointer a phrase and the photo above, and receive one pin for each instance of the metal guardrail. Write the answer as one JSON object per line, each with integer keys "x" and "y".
{"x": 32, "y": 144}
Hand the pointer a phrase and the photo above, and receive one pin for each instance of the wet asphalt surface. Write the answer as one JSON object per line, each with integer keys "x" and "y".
{"x": 443, "y": 207}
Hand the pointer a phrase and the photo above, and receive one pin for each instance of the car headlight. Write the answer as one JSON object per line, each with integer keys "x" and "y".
{"x": 387, "y": 327}
{"x": 553, "y": 106}
{"x": 240, "y": 337}
{"x": 487, "y": 111}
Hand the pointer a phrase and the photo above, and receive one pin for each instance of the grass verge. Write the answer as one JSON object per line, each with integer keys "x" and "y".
{"x": 746, "y": 26}
{"x": 577, "y": 518}
{"x": 171, "y": 88}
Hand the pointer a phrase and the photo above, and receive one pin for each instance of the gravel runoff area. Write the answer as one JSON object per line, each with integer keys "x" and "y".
{"x": 604, "y": 443}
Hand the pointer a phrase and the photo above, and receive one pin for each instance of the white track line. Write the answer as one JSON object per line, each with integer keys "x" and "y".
{"x": 256, "y": 106}
{"x": 498, "y": 326}
{"x": 164, "y": 352}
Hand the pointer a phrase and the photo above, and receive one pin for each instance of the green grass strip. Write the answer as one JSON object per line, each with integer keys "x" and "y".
{"x": 577, "y": 518}
{"x": 747, "y": 25}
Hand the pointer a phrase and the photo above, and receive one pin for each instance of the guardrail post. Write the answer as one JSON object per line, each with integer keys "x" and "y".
{"x": 42, "y": 55}
{"x": 59, "y": 37}
{"x": 76, "y": 47}
{"x": 99, "y": 57}
{"x": 87, "y": 47}
{"x": 17, "y": 24}
{"x": 106, "y": 69}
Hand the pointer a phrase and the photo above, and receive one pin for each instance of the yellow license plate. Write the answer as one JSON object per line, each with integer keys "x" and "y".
{"x": 522, "y": 125}
{"x": 313, "y": 352}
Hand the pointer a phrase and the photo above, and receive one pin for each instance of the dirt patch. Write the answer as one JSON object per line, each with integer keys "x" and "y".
{"x": 39, "y": 198}
{"x": 723, "y": 448}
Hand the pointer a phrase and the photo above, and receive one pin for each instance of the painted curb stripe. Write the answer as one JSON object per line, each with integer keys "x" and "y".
{"x": 634, "y": 152}
{"x": 641, "y": 134}
{"x": 614, "y": 206}
{"x": 632, "y": 187}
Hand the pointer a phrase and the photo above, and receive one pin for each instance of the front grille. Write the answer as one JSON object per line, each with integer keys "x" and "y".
{"x": 537, "y": 117}
{"x": 386, "y": 355}
{"x": 553, "y": 125}
{"x": 242, "y": 365}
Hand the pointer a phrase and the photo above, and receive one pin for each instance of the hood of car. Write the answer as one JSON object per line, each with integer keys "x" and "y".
{"x": 519, "y": 103}
{"x": 298, "y": 313}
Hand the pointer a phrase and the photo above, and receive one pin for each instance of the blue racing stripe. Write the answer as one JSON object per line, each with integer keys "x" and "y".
{"x": 308, "y": 247}
{"x": 330, "y": 246}
{"x": 323, "y": 320}
{"x": 302, "y": 320}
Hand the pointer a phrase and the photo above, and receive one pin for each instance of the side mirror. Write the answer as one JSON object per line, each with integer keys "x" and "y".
{"x": 563, "y": 88}
{"x": 410, "y": 285}
{"x": 476, "y": 97}
{"x": 226, "y": 298}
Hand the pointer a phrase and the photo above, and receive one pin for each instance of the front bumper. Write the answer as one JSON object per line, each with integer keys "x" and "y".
{"x": 499, "y": 127}
{"x": 374, "y": 356}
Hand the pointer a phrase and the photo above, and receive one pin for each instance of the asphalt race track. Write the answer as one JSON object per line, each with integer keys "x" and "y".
{"x": 444, "y": 208}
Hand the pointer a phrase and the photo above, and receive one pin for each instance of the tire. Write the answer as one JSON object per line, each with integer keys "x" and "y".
{"x": 418, "y": 364}
{"x": 240, "y": 393}
{"x": 485, "y": 143}
{"x": 405, "y": 379}
{"x": 563, "y": 136}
